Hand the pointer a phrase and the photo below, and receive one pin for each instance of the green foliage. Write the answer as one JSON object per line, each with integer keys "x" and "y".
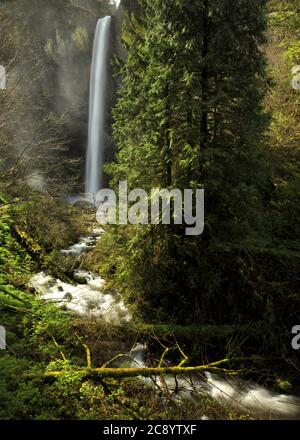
{"x": 189, "y": 115}
{"x": 19, "y": 398}
{"x": 283, "y": 101}
{"x": 15, "y": 263}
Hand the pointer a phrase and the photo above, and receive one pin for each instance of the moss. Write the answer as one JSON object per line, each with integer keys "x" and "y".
{"x": 283, "y": 385}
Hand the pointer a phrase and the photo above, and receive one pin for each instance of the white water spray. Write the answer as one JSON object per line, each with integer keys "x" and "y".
{"x": 98, "y": 88}
{"x": 243, "y": 396}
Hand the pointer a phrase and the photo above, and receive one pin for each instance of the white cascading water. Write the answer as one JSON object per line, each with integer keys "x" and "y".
{"x": 98, "y": 88}
{"x": 243, "y": 396}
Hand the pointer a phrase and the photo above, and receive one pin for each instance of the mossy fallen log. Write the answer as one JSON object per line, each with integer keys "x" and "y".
{"x": 105, "y": 372}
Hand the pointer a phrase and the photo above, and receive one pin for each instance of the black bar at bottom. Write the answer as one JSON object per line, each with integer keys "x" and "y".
{"x": 94, "y": 430}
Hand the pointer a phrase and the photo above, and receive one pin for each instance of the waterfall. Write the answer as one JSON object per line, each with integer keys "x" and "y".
{"x": 98, "y": 88}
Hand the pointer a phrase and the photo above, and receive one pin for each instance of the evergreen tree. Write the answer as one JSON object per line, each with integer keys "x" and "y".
{"x": 190, "y": 115}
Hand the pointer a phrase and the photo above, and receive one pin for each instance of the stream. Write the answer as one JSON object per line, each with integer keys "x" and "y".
{"x": 89, "y": 300}
{"x": 84, "y": 299}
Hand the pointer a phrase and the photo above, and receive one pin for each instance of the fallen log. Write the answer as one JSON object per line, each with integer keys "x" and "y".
{"x": 106, "y": 372}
